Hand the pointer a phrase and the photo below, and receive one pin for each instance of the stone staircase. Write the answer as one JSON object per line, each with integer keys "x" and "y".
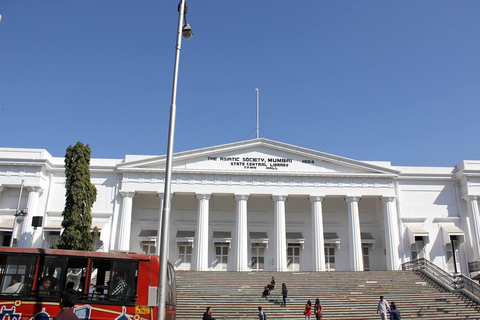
{"x": 344, "y": 295}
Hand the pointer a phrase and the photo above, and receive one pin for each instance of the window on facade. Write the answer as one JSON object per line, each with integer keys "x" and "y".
{"x": 98, "y": 243}
{"x": 366, "y": 258}
{"x": 418, "y": 248}
{"x": 221, "y": 255}
{"x": 453, "y": 264}
{"x": 330, "y": 258}
{"x": 149, "y": 247}
{"x": 185, "y": 252}
{"x": 51, "y": 238}
{"x": 293, "y": 256}
{"x": 18, "y": 273}
{"x": 258, "y": 256}
{"x": 5, "y": 238}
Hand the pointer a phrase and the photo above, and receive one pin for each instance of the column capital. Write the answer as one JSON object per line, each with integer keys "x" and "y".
{"x": 127, "y": 194}
{"x": 388, "y": 198}
{"x": 316, "y": 198}
{"x": 240, "y": 197}
{"x": 277, "y": 197}
{"x": 352, "y": 198}
{"x": 470, "y": 197}
{"x": 34, "y": 189}
{"x": 203, "y": 196}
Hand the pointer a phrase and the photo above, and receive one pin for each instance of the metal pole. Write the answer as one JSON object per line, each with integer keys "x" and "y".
{"x": 17, "y": 212}
{"x": 258, "y": 127}
{"x": 162, "y": 277}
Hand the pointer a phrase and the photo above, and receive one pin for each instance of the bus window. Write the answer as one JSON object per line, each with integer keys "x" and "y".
{"x": 76, "y": 272}
{"x": 52, "y": 270}
{"x": 99, "y": 277}
{"x": 170, "y": 292}
{"x": 124, "y": 280}
{"x": 18, "y": 273}
{"x": 3, "y": 260}
{"x": 114, "y": 280}
{"x": 76, "y": 275}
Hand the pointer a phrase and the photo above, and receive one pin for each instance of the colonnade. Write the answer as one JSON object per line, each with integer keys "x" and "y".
{"x": 240, "y": 243}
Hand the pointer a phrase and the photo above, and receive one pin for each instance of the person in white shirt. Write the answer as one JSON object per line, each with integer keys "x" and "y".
{"x": 383, "y": 308}
{"x": 15, "y": 285}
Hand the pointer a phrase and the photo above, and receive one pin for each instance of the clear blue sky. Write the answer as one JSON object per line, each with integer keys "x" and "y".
{"x": 370, "y": 80}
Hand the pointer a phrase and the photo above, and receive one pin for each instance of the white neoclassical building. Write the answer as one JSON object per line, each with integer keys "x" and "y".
{"x": 258, "y": 205}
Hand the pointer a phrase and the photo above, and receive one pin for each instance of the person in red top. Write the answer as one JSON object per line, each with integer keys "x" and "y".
{"x": 67, "y": 302}
{"x": 308, "y": 310}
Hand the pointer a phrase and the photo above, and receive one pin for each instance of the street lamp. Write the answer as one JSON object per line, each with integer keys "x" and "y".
{"x": 186, "y": 31}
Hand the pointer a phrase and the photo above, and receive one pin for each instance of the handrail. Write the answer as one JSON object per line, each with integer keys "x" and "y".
{"x": 451, "y": 282}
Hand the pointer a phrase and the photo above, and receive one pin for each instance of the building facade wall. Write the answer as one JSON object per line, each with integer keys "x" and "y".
{"x": 258, "y": 205}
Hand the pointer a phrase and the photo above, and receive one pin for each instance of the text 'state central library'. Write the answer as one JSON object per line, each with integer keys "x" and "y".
{"x": 258, "y": 205}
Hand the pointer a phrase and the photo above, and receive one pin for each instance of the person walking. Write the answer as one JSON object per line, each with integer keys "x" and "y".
{"x": 261, "y": 314}
{"x": 68, "y": 298}
{"x": 318, "y": 309}
{"x": 383, "y": 307}
{"x": 308, "y": 310}
{"x": 394, "y": 312}
{"x": 284, "y": 294}
{"x": 208, "y": 314}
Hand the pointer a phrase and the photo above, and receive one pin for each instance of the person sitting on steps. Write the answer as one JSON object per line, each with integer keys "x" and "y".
{"x": 271, "y": 286}
{"x": 266, "y": 291}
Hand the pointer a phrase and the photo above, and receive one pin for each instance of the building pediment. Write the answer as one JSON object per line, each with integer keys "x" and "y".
{"x": 259, "y": 156}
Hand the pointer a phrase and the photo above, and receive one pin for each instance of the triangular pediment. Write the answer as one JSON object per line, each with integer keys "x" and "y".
{"x": 259, "y": 156}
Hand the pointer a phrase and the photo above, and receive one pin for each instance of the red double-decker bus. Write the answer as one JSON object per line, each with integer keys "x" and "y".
{"x": 117, "y": 286}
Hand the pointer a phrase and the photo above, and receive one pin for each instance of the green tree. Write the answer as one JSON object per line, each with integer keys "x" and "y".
{"x": 79, "y": 198}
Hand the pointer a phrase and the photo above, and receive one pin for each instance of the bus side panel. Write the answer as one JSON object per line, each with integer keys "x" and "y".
{"x": 147, "y": 277}
{"x": 27, "y": 310}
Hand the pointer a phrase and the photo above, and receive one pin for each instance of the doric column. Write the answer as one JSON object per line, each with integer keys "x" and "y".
{"x": 241, "y": 243}
{"x": 32, "y": 206}
{"x": 280, "y": 233}
{"x": 201, "y": 235}
{"x": 391, "y": 232}
{"x": 355, "y": 239}
{"x": 473, "y": 212}
{"x": 125, "y": 221}
{"x": 318, "y": 244}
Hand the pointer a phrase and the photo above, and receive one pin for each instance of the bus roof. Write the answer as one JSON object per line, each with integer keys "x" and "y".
{"x": 77, "y": 253}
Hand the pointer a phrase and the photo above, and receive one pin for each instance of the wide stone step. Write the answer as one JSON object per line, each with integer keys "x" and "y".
{"x": 344, "y": 295}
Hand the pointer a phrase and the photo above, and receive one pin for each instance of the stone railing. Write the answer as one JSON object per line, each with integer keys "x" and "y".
{"x": 456, "y": 283}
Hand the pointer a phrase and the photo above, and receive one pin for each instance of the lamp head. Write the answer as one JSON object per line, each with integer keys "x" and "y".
{"x": 187, "y": 32}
